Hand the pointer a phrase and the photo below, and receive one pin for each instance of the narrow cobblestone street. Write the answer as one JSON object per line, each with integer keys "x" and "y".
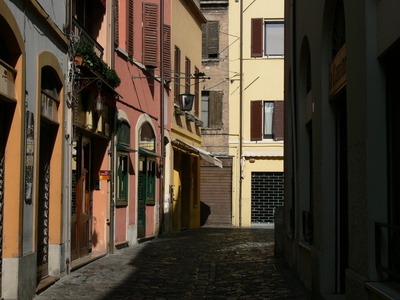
{"x": 205, "y": 263}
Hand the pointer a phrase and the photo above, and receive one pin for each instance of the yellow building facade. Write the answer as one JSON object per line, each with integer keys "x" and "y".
{"x": 183, "y": 209}
{"x": 256, "y": 109}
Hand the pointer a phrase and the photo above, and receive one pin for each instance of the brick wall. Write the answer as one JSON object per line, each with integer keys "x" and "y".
{"x": 266, "y": 194}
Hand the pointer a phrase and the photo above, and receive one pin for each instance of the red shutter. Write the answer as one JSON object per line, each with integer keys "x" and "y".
{"x": 150, "y": 33}
{"x": 167, "y": 52}
{"x": 278, "y": 121}
{"x": 129, "y": 24}
{"x": 256, "y": 127}
{"x": 116, "y": 21}
{"x": 256, "y": 37}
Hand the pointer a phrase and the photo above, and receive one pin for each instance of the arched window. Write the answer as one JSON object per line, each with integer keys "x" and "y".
{"x": 147, "y": 138}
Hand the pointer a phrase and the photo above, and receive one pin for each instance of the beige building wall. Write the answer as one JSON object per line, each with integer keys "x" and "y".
{"x": 262, "y": 79}
{"x": 186, "y": 35}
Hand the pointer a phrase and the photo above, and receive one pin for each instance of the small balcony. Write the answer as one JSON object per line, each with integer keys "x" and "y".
{"x": 84, "y": 35}
{"x": 387, "y": 249}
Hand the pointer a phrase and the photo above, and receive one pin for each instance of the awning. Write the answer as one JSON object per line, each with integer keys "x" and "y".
{"x": 201, "y": 152}
{"x": 263, "y": 153}
{"x": 124, "y": 148}
{"x": 143, "y": 151}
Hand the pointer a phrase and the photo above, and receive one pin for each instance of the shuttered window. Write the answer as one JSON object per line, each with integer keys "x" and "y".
{"x": 167, "y": 52}
{"x": 196, "y": 92}
{"x": 187, "y": 75}
{"x": 267, "y": 120}
{"x": 211, "y": 109}
{"x": 177, "y": 73}
{"x": 267, "y": 37}
{"x": 257, "y": 37}
{"x": 129, "y": 24}
{"x": 116, "y": 23}
{"x": 210, "y": 39}
{"x": 150, "y": 33}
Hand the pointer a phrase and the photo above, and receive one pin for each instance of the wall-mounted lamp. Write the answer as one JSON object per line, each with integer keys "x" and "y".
{"x": 99, "y": 104}
{"x": 186, "y": 101}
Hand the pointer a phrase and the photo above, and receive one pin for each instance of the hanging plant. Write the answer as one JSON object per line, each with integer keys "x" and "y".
{"x": 90, "y": 59}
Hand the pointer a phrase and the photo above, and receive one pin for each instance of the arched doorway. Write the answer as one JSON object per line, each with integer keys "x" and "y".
{"x": 146, "y": 175}
{"x": 49, "y": 125}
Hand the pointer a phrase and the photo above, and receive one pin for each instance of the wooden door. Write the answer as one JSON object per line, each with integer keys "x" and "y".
{"x": 81, "y": 210}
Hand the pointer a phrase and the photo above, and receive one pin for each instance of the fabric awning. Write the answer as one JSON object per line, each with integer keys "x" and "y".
{"x": 263, "y": 153}
{"x": 201, "y": 152}
{"x": 143, "y": 151}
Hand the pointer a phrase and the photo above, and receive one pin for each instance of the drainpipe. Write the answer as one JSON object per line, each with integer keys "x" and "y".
{"x": 112, "y": 151}
{"x": 162, "y": 158}
{"x": 241, "y": 113}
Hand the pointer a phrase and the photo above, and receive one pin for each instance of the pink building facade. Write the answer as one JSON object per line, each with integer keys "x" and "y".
{"x": 141, "y": 121}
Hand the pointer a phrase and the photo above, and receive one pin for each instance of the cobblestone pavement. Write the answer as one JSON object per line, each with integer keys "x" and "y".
{"x": 205, "y": 263}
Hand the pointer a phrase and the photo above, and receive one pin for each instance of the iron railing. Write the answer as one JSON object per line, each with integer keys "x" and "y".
{"x": 80, "y": 31}
{"x": 387, "y": 249}
{"x": 308, "y": 227}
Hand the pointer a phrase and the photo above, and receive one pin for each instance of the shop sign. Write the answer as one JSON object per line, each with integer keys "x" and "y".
{"x": 105, "y": 175}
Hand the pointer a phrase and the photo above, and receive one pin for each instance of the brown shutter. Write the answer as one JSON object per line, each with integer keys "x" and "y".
{"x": 196, "y": 92}
{"x": 177, "y": 73}
{"x": 150, "y": 32}
{"x": 256, "y": 37}
{"x": 278, "y": 121}
{"x": 129, "y": 24}
{"x": 116, "y": 21}
{"x": 256, "y": 127}
{"x": 215, "y": 109}
{"x": 187, "y": 75}
{"x": 204, "y": 39}
{"x": 167, "y": 52}
{"x": 213, "y": 38}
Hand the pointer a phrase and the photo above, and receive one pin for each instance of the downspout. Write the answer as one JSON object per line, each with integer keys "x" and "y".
{"x": 162, "y": 158}
{"x": 112, "y": 151}
{"x": 293, "y": 115}
{"x": 241, "y": 113}
{"x": 68, "y": 148}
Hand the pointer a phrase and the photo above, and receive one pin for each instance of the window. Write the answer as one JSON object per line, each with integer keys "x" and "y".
{"x": 122, "y": 178}
{"x": 123, "y": 148}
{"x": 267, "y": 38}
{"x": 266, "y": 120}
{"x": 196, "y": 92}
{"x": 211, "y": 109}
{"x": 210, "y": 39}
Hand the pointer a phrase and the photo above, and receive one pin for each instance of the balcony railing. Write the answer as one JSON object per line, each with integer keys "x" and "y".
{"x": 80, "y": 31}
{"x": 387, "y": 249}
{"x": 308, "y": 227}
